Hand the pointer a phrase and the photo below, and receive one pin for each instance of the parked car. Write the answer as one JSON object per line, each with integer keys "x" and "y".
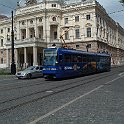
{"x": 30, "y": 72}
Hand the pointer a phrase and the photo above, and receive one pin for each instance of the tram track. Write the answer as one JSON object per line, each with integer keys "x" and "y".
{"x": 8, "y": 87}
{"x": 11, "y": 87}
{"x": 55, "y": 89}
{"x": 23, "y": 84}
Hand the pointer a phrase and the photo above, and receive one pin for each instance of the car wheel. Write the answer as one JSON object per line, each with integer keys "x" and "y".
{"x": 29, "y": 76}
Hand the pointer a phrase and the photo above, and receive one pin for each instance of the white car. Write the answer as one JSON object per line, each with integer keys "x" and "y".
{"x": 30, "y": 72}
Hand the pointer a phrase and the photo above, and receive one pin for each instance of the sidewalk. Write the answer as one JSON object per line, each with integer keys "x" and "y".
{"x": 6, "y": 76}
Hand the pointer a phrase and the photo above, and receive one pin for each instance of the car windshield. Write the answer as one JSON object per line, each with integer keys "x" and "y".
{"x": 50, "y": 57}
{"x": 30, "y": 68}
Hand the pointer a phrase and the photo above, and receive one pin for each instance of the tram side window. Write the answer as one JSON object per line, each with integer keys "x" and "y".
{"x": 102, "y": 59}
{"x": 98, "y": 59}
{"x": 84, "y": 58}
{"x": 93, "y": 59}
{"x": 79, "y": 57}
{"x": 90, "y": 58}
{"x": 106, "y": 59}
{"x": 67, "y": 58}
{"x": 74, "y": 58}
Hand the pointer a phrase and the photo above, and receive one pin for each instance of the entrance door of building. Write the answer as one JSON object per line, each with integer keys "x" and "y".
{"x": 30, "y": 60}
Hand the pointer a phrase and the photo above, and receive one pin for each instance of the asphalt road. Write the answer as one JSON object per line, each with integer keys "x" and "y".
{"x": 93, "y": 99}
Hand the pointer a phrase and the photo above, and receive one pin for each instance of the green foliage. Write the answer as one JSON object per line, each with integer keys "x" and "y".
{"x": 5, "y": 72}
{"x": 121, "y": 1}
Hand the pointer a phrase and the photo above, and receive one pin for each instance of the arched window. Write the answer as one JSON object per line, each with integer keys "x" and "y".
{"x": 40, "y": 19}
{"x": 54, "y": 18}
{"x": 31, "y": 21}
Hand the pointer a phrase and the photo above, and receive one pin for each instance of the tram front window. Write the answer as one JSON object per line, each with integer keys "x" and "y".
{"x": 50, "y": 57}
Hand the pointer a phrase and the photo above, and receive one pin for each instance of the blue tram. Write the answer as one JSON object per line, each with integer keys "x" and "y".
{"x": 61, "y": 63}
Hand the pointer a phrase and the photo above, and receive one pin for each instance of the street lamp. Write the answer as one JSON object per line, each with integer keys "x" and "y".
{"x": 13, "y": 66}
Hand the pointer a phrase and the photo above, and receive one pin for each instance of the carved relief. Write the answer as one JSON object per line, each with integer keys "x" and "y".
{"x": 88, "y": 25}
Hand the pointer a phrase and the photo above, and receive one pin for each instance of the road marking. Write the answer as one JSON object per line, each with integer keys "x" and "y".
{"x": 49, "y": 91}
{"x": 121, "y": 74}
{"x": 68, "y": 103}
{"x": 63, "y": 106}
{"x": 114, "y": 80}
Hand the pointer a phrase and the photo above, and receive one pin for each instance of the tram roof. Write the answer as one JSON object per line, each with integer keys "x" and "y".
{"x": 74, "y": 51}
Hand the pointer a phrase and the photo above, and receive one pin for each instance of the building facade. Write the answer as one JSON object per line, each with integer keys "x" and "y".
{"x": 40, "y": 25}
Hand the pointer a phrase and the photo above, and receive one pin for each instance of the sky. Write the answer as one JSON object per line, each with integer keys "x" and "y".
{"x": 113, "y": 8}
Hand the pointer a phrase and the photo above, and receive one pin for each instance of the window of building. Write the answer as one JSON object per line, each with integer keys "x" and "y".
{"x": 88, "y": 32}
{"x": 54, "y": 18}
{"x": 100, "y": 20}
{"x": 66, "y": 20}
{"x": 39, "y": 35}
{"x": 1, "y": 42}
{"x": 1, "y": 31}
{"x": 67, "y": 58}
{"x": 8, "y": 37}
{"x": 31, "y": 36}
{"x": 88, "y": 17}
{"x": 23, "y": 23}
{"x": 2, "y": 52}
{"x": 31, "y": 21}
{"x": 55, "y": 35}
{"x": 53, "y": 5}
{"x": 40, "y": 19}
{"x": 8, "y": 30}
{"x": 76, "y": 18}
{"x": 23, "y": 37}
{"x": 97, "y": 31}
{"x": 1, "y": 60}
{"x": 77, "y": 33}
{"x": 77, "y": 46}
{"x": 66, "y": 35}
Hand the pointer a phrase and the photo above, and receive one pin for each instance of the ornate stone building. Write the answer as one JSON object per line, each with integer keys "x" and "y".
{"x": 39, "y": 25}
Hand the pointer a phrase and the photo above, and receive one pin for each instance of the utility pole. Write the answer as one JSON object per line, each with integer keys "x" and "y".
{"x": 45, "y": 21}
{"x": 13, "y": 66}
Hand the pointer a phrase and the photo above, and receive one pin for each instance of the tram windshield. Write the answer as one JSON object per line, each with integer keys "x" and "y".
{"x": 50, "y": 57}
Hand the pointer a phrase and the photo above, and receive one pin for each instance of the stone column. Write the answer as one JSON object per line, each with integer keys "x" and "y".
{"x": 18, "y": 31}
{"x": 7, "y": 58}
{"x": 25, "y": 57}
{"x": 27, "y": 30}
{"x": 48, "y": 33}
{"x": 16, "y": 58}
{"x": 36, "y": 29}
{"x": 35, "y": 55}
{"x": 46, "y": 30}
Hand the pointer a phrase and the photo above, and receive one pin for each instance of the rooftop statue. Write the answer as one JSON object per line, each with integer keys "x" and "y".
{"x": 30, "y": 2}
